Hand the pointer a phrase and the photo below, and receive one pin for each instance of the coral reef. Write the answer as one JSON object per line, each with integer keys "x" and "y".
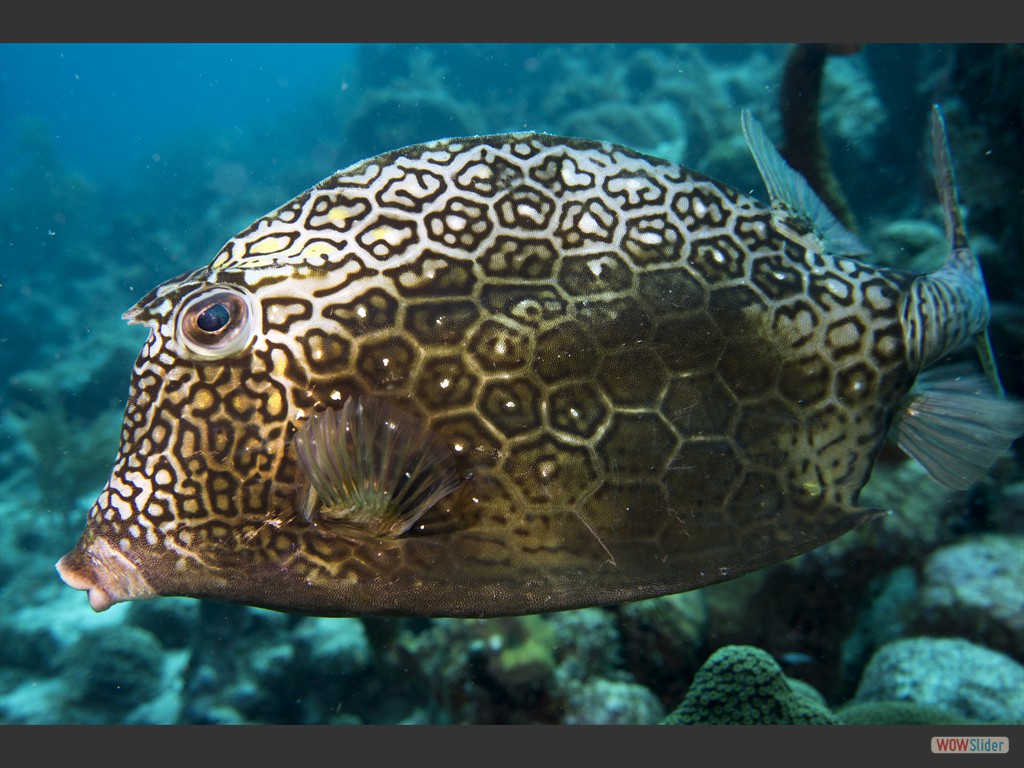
{"x": 111, "y": 671}
{"x": 397, "y": 117}
{"x": 889, "y": 614}
{"x": 664, "y": 640}
{"x": 841, "y": 619}
{"x": 611, "y": 702}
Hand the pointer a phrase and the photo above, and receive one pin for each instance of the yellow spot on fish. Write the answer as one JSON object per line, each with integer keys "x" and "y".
{"x": 274, "y": 403}
{"x": 203, "y": 399}
{"x": 269, "y": 244}
{"x": 811, "y": 488}
{"x": 338, "y": 214}
{"x": 280, "y": 362}
{"x": 389, "y": 235}
{"x": 318, "y": 250}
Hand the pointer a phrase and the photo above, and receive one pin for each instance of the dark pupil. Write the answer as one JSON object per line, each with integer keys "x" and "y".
{"x": 213, "y": 318}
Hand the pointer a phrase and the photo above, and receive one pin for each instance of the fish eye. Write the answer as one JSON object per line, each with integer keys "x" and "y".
{"x": 213, "y": 318}
{"x": 215, "y": 323}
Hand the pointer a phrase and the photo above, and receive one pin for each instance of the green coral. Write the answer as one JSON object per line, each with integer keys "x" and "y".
{"x": 524, "y": 656}
{"x": 743, "y": 685}
{"x": 899, "y": 713}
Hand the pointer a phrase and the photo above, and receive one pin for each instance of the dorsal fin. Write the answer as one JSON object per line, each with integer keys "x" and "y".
{"x": 797, "y": 210}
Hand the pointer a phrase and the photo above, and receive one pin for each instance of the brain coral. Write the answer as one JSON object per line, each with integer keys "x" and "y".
{"x": 740, "y": 684}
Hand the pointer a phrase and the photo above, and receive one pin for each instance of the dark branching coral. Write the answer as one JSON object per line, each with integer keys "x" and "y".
{"x": 804, "y": 144}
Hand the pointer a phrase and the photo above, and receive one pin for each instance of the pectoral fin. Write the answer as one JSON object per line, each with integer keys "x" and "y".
{"x": 957, "y": 427}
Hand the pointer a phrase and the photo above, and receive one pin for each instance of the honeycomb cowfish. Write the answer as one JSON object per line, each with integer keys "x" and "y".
{"x": 522, "y": 373}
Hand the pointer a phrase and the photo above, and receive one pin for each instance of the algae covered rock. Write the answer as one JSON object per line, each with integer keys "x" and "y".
{"x": 976, "y": 589}
{"x": 744, "y": 685}
{"x": 612, "y": 702}
{"x": 966, "y": 680}
{"x": 588, "y": 644}
{"x": 333, "y": 647}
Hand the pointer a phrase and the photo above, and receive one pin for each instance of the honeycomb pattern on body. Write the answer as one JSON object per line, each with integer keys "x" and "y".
{"x": 619, "y": 352}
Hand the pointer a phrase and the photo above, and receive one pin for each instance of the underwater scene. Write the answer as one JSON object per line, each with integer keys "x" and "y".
{"x": 511, "y": 384}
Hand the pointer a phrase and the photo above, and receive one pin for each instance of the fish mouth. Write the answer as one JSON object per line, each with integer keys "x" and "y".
{"x": 107, "y": 575}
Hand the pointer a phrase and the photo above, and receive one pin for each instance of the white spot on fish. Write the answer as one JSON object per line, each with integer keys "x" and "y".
{"x": 457, "y": 223}
{"x": 588, "y": 224}
{"x": 574, "y": 178}
{"x": 837, "y": 288}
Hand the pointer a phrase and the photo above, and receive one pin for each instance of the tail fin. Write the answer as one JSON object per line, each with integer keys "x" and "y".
{"x": 952, "y": 423}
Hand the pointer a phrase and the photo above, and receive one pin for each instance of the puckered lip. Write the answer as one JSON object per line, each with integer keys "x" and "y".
{"x": 106, "y": 574}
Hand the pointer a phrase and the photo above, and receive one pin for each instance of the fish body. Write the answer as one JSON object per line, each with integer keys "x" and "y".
{"x": 509, "y": 374}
